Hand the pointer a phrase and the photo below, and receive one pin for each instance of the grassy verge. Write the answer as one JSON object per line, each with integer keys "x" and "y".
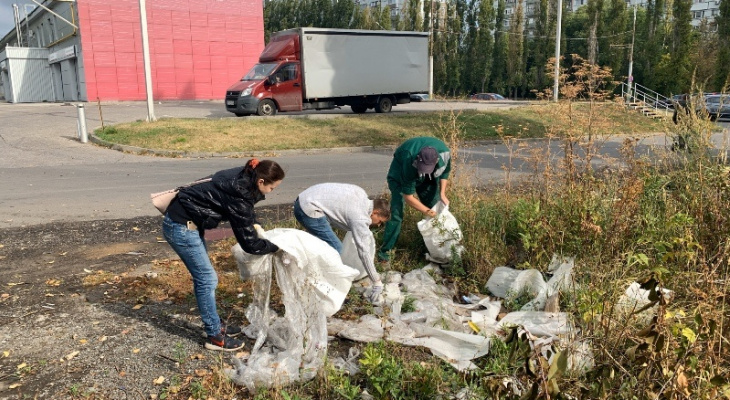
{"x": 260, "y": 134}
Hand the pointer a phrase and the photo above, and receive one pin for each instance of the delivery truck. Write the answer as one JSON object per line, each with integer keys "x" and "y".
{"x": 318, "y": 69}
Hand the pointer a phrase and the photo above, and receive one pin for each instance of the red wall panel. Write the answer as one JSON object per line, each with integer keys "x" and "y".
{"x": 197, "y": 47}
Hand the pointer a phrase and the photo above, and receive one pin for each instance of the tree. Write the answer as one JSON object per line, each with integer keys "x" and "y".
{"x": 484, "y": 44}
{"x": 515, "y": 51}
{"x": 542, "y": 45}
{"x": 614, "y": 46}
{"x": 498, "y": 80}
{"x": 722, "y": 79}
{"x": 674, "y": 72}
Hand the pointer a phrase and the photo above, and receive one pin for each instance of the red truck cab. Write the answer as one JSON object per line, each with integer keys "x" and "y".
{"x": 272, "y": 84}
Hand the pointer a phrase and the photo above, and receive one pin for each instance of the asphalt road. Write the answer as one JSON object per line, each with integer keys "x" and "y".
{"x": 48, "y": 175}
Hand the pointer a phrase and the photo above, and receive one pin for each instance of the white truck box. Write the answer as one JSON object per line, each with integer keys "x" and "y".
{"x": 345, "y": 62}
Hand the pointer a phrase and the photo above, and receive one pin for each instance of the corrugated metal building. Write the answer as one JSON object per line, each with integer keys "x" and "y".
{"x": 92, "y": 49}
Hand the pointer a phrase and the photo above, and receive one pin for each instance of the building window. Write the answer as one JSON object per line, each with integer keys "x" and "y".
{"x": 51, "y": 31}
{"x": 697, "y": 14}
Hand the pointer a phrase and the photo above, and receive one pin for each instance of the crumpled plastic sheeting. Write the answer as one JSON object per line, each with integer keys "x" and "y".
{"x": 351, "y": 257}
{"x": 351, "y": 364}
{"x": 635, "y": 298}
{"x": 314, "y": 283}
{"x": 539, "y": 323}
{"x": 506, "y": 282}
{"x": 546, "y": 331}
{"x": 441, "y": 234}
{"x": 437, "y": 324}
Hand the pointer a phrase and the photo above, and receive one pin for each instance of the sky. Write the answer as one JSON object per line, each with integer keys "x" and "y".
{"x": 6, "y": 14}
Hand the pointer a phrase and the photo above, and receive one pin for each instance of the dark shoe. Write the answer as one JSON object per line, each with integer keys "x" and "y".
{"x": 231, "y": 330}
{"x": 223, "y": 343}
{"x": 228, "y": 330}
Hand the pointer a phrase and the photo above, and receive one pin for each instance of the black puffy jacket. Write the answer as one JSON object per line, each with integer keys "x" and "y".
{"x": 229, "y": 196}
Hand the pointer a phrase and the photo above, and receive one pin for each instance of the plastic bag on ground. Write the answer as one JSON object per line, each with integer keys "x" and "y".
{"x": 635, "y": 298}
{"x": 442, "y": 235}
{"x": 509, "y": 283}
{"x": 314, "y": 283}
{"x": 539, "y": 323}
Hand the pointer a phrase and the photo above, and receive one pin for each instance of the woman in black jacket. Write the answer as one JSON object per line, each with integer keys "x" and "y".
{"x": 229, "y": 195}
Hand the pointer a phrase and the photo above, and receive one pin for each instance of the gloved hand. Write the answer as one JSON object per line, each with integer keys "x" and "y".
{"x": 375, "y": 293}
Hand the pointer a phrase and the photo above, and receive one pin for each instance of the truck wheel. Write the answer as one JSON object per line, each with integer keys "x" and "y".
{"x": 359, "y": 109}
{"x": 266, "y": 108}
{"x": 385, "y": 104}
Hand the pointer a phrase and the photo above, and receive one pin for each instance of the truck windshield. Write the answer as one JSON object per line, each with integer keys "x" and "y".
{"x": 259, "y": 71}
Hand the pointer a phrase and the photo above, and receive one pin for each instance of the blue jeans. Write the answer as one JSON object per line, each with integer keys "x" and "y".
{"x": 190, "y": 246}
{"x": 319, "y": 227}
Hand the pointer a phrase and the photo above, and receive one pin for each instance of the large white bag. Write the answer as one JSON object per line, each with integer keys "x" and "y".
{"x": 442, "y": 235}
{"x": 351, "y": 257}
{"x": 314, "y": 283}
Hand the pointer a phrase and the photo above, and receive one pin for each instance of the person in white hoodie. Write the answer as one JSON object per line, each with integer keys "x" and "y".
{"x": 345, "y": 207}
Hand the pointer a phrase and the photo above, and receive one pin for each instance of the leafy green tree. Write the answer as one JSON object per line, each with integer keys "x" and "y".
{"x": 652, "y": 51}
{"x": 483, "y": 44}
{"x": 410, "y": 16}
{"x": 722, "y": 79}
{"x": 498, "y": 80}
{"x": 541, "y": 47}
{"x": 515, "y": 51}
{"x": 452, "y": 36}
{"x": 575, "y": 30}
{"x": 594, "y": 10}
{"x": 674, "y": 72}
{"x": 704, "y": 56}
{"x": 616, "y": 37}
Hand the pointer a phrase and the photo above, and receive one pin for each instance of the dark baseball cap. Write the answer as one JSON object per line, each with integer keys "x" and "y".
{"x": 426, "y": 160}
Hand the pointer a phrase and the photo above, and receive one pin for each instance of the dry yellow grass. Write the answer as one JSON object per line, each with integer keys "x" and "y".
{"x": 261, "y": 134}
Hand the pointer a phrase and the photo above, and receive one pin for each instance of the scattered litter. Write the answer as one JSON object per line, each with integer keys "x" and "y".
{"x": 437, "y": 324}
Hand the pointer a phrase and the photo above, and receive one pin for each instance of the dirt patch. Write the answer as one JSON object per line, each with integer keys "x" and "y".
{"x": 72, "y": 325}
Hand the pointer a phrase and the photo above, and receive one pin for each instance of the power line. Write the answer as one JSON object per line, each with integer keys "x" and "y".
{"x": 553, "y": 37}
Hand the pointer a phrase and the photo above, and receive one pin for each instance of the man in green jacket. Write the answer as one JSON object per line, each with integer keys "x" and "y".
{"x": 420, "y": 166}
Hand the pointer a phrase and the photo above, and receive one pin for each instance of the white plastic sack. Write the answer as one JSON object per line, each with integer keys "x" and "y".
{"x": 314, "y": 283}
{"x": 441, "y": 234}
{"x": 635, "y": 298}
{"x": 351, "y": 257}
{"x": 509, "y": 283}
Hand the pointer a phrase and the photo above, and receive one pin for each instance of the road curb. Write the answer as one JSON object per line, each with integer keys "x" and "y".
{"x": 275, "y": 153}
{"x": 264, "y": 153}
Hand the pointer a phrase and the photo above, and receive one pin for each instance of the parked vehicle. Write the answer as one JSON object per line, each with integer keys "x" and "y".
{"x": 419, "y": 96}
{"x": 318, "y": 68}
{"x": 718, "y": 106}
{"x": 713, "y": 106}
{"x": 487, "y": 96}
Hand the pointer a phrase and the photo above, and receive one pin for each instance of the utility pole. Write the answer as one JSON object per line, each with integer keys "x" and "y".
{"x": 430, "y": 52}
{"x": 557, "y": 50}
{"x": 631, "y": 57}
{"x": 146, "y": 57}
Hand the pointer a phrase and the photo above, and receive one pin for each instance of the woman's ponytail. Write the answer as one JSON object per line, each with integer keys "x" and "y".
{"x": 268, "y": 170}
